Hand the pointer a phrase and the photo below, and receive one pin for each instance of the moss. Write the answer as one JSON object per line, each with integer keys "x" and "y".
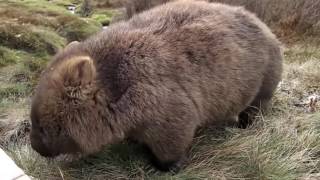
{"x": 104, "y": 18}
{"x": 50, "y": 8}
{"x": 30, "y": 38}
{"x": 16, "y": 14}
{"x": 51, "y": 41}
{"x": 77, "y": 29}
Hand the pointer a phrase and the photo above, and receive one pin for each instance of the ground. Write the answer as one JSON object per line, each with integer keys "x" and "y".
{"x": 283, "y": 143}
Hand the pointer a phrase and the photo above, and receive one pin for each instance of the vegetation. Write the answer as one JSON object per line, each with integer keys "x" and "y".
{"x": 284, "y": 143}
{"x": 86, "y": 8}
{"x": 286, "y": 17}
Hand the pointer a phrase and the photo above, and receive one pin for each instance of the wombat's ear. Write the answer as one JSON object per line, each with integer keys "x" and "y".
{"x": 79, "y": 71}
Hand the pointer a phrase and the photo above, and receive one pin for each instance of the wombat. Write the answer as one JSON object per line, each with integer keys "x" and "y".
{"x": 155, "y": 79}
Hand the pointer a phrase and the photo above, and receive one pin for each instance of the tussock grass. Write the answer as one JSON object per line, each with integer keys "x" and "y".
{"x": 286, "y": 17}
{"x": 30, "y": 38}
{"x": 31, "y": 31}
{"x": 39, "y": 7}
{"x": 104, "y": 16}
{"x": 75, "y": 29}
{"x": 7, "y": 56}
{"x": 52, "y": 15}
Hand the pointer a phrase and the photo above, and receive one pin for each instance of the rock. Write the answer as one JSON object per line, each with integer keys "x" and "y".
{"x": 9, "y": 170}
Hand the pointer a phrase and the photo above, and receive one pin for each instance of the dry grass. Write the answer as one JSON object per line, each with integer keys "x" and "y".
{"x": 284, "y": 143}
{"x": 286, "y": 17}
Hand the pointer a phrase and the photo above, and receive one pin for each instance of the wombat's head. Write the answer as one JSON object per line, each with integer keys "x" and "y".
{"x": 64, "y": 116}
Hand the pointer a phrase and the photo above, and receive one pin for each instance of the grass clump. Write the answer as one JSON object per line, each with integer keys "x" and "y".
{"x": 30, "y": 38}
{"x": 286, "y": 17}
{"x": 103, "y": 19}
{"x": 75, "y": 29}
{"x": 51, "y": 16}
{"x": 7, "y": 56}
{"x": 43, "y": 7}
{"x": 14, "y": 90}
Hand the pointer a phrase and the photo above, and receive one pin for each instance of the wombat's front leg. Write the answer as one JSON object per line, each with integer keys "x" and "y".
{"x": 174, "y": 166}
{"x": 169, "y": 146}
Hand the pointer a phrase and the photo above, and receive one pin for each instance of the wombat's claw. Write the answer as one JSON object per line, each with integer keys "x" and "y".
{"x": 176, "y": 167}
{"x": 172, "y": 166}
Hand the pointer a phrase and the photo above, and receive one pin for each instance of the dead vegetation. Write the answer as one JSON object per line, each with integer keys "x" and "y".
{"x": 286, "y": 17}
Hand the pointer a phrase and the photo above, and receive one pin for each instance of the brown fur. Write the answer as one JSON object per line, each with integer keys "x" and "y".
{"x": 156, "y": 79}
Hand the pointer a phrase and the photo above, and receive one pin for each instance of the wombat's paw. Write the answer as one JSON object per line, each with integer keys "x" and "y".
{"x": 245, "y": 120}
{"x": 171, "y": 166}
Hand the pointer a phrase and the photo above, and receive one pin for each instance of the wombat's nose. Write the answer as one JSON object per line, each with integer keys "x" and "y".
{"x": 39, "y": 146}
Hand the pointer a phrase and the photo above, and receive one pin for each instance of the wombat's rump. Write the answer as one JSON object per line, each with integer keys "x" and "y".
{"x": 156, "y": 78}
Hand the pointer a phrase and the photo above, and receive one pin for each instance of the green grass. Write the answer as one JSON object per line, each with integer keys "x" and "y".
{"x": 75, "y": 29}
{"x": 51, "y": 16}
{"x": 30, "y": 38}
{"x": 41, "y": 6}
{"x": 104, "y": 17}
{"x": 7, "y": 56}
{"x": 31, "y": 31}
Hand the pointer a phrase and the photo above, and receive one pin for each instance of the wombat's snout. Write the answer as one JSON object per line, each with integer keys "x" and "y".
{"x": 38, "y": 145}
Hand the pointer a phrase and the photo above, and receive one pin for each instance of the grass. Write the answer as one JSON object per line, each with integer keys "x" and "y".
{"x": 7, "y": 56}
{"x": 30, "y": 38}
{"x": 75, "y": 29}
{"x": 288, "y": 18}
{"x": 31, "y": 31}
{"x": 103, "y": 18}
{"x": 283, "y": 144}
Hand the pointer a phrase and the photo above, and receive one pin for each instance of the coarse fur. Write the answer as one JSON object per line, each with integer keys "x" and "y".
{"x": 155, "y": 79}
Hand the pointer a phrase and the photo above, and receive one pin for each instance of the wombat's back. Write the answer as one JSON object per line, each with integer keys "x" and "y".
{"x": 219, "y": 55}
